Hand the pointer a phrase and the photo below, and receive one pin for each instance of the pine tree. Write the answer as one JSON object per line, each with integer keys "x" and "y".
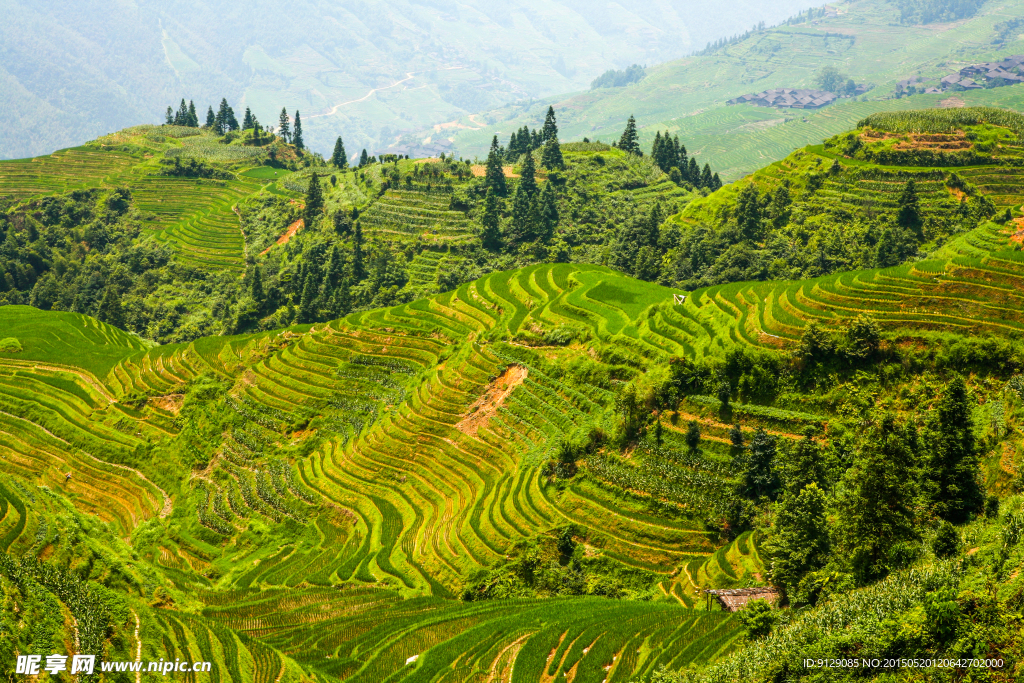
{"x": 181, "y": 118}
{"x": 211, "y": 119}
{"x": 358, "y": 267}
{"x": 759, "y": 478}
{"x": 339, "y": 158}
{"x": 220, "y": 124}
{"x": 736, "y": 437}
{"x": 693, "y": 173}
{"x": 283, "y": 127}
{"x": 548, "y": 211}
{"x": 550, "y": 130}
{"x": 314, "y": 200}
{"x": 528, "y": 177}
{"x": 256, "y": 285}
{"x": 524, "y": 215}
{"x": 193, "y": 119}
{"x": 364, "y": 158}
{"x": 494, "y": 178}
{"x": 706, "y": 178}
{"x": 307, "y": 304}
{"x": 876, "y": 511}
{"x": 232, "y": 122}
{"x": 693, "y": 436}
{"x": 800, "y": 543}
{"x": 247, "y": 119}
{"x": 954, "y": 465}
{"x": 111, "y": 311}
{"x": 551, "y": 157}
{"x": 909, "y": 215}
{"x": 169, "y": 116}
{"x": 335, "y": 268}
{"x": 802, "y": 464}
{"x": 297, "y": 133}
{"x": 629, "y": 141}
{"x": 490, "y": 236}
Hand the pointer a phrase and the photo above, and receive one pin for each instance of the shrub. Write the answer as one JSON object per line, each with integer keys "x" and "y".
{"x": 758, "y": 619}
{"x": 10, "y": 345}
{"x": 947, "y": 541}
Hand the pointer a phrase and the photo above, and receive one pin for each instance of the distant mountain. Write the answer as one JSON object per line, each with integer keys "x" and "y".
{"x": 366, "y": 70}
{"x": 863, "y": 39}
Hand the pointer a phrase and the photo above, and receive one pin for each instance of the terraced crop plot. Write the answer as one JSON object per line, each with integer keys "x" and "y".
{"x": 196, "y": 217}
{"x": 63, "y": 171}
{"x": 409, "y": 213}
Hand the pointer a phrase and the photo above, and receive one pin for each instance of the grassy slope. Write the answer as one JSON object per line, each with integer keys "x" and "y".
{"x": 687, "y": 97}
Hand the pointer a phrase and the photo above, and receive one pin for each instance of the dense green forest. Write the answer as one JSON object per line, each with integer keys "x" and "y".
{"x": 447, "y": 420}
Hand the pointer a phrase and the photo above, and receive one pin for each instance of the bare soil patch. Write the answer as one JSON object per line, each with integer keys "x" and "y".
{"x": 1018, "y": 236}
{"x": 288, "y": 234}
{"x": 953, "y": 102}
{"x": 171, "y": 402}
{"x": 479, "y": 170}
{"x": 493, "y": 398}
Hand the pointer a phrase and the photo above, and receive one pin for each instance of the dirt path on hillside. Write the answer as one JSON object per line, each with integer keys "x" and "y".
{"x": 409, "y": 75}
{"x": 288, "y": 234}
{"x": 493, "y": 398}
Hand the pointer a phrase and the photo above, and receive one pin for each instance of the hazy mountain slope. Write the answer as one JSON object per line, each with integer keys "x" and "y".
{"x": 688, "y": 96}
{"x": 70, "y": 75}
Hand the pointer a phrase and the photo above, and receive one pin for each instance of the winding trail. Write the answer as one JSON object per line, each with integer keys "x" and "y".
{"x": 409, "y": 75}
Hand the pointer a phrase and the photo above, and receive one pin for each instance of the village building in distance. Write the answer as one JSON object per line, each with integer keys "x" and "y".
{"x": 792, "y": 98}
{"x": 973, "y": 77}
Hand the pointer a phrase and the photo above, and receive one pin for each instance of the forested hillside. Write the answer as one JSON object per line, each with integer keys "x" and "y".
{"x": 374, "y": 69}
{"x": 875, "y": 43}
{"x": 430, "y": 420}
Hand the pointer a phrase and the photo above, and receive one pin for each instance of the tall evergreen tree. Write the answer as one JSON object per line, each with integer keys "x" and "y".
{"x": 748, "y": 212}
{"x": 909, "y": 214}
{"x": 876, "y": 510}
{"x": 181, "y": 118}
{"x": 220, "y": 124}
{"x": 256, "y": 284}
{"x": 524, "y": 215}
{"x": 494, "y": 178}
{"x": 758, "y": 476}
{"x": 111, "y": 310}
{"x": 548, "y": 212}
{"x": 706, "y": 178}
{"x": 528, "y": 176}
{"x": 550, "y": 130}
{"x": 211, "y": 118}
{"x": 800, "y": 540}
{"x": 169, "y": 116}
{"x": 551, "y": 157}
{"x": 339, "y": 158}
{"x": 314, "y": 200}
{"x": 693, "y": 173}
{"x": 629, "y": 142}
{"x": 358, "y": 265}
{"x": 307, "y": 304}
{"x": 232, "y": 122}
{"x": 490, "y": 236}
{"x": 284, "y": 129}
{"x": 247, "y": 119}
{"x": 193, "y": 119}
{"x": 364, "y": 158}
{"x": 297, "y": 133}
{"x": 954, "y": 465}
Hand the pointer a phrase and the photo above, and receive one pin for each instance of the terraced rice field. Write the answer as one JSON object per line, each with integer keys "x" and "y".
{"x": 196, "y": 217}
{"x": 63, "y": 171}
{"x": 409, "y": 213}
{"x": 423, "y": 269}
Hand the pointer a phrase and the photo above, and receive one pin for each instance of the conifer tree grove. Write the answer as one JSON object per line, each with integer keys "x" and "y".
{"x": 954, "y": 487}
{"x": 629, "y": 142}
{"x": 297, "y": 133}
{"x": 339, "y": 159}
{"x": 283, "y": 127}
